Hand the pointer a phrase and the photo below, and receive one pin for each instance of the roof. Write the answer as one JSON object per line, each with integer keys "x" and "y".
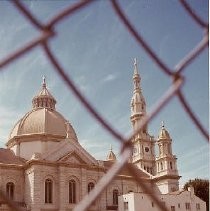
{"x": 8, "y": 157}
{"x": 125, "y": 170}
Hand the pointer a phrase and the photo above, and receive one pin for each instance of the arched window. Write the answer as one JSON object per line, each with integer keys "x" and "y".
{"x": 161, "y": 164}
{"x": 90, "y": 186}
{"x": 115, "y": 197}
{"x": 171, "y": 165}
{"x": 10, "y": 187}
{"x": 48, "y": 190}
{"x": 72, "y": 191}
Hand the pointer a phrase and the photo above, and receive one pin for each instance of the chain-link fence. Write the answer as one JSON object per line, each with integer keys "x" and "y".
{"x": 176, "y": 73}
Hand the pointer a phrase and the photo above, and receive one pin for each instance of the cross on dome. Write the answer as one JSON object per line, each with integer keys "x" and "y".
{"x": 44, "y": 81}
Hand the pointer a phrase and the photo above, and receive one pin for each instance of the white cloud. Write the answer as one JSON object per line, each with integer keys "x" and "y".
{"x": 108, "y": 78}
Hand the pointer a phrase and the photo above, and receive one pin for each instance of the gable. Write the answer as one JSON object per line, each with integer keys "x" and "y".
{"x": 73, "y": 158}
{"x": 68, "y": 151}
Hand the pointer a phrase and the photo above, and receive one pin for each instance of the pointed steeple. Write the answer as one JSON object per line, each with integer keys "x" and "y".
{"x": 136, "y": 77}
{"x": 44, "y": 99}
{"x": 138, "y": 104}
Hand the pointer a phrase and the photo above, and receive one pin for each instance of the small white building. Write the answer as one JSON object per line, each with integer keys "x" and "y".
{"x": 175, "y": 201}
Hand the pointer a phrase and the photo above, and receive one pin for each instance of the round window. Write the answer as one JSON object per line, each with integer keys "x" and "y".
{"x": 146, "y": 149}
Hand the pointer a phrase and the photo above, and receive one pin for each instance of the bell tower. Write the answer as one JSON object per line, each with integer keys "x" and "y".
{"x": 143, "y": 144}
{"x": 166, "y": 167}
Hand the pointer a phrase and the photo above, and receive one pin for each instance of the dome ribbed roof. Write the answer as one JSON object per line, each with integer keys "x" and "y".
{"x": 44, "y": 99}
{"x": 43, "y": 119}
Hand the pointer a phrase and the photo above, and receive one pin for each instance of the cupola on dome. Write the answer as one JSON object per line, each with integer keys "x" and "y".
{"x": 43, "y": 119}
{"x": 163, "y": 134}
{"x": 111, "y": 156}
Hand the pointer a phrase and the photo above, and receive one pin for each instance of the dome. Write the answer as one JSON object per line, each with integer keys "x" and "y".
{"x": 43, "y": 119}
{"x": 163, "y": 134}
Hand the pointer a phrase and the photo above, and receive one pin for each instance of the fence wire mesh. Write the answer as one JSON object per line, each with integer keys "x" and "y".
{"x": 47, "y": 32}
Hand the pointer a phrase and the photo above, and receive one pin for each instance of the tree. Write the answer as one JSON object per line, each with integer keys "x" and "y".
{"x": 201, "y": 187}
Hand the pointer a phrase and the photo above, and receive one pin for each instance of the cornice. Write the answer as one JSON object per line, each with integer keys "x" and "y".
{"x": 11, "y": 166}
{"x": 31, "y": 163}
{"x": 157, "y": 178}
{"x": 34, "y": 137}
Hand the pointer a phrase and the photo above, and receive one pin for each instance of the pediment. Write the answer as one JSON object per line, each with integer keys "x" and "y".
{"x": 69, "y": 152}
{"x": 73, "y": 158}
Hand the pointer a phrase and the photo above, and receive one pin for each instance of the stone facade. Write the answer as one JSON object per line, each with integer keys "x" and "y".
{"x": 44, "y": 167}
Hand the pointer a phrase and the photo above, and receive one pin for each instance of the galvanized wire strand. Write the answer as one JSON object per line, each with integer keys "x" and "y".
{"x": 23, "y": 50}
{"x": 79, "y": 95}
{"x": 148, "y": 190}
{"x": 160, "y": 104}
{"x": 25, "y": 11}
{"x": 180, "y": 66}
{"x": 104, "y": 181}
{"x": 192, "y": 115}
{"x": 88, "y": 199}
{"x": 69, "y": 11}
{"x": 202, "y": 45}
{"x": 194, "y": 16}
{"x": 139, "y": 38}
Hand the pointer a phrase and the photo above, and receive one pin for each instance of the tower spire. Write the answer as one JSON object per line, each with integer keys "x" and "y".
{"x": 136, "y": 77}
{"x": 138, "y": 105}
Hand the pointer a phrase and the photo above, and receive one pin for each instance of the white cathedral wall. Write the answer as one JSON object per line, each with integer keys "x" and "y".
{"x": 27, "y": 149}
{"x": 61, "y": 175}
{"x": 168, "y": 185}
{"x": 15, "y": 150}
{"x": 16, "y": 176}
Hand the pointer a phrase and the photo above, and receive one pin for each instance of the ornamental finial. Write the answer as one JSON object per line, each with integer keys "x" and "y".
{"x": 43, "y": 81}
{"x": 135, "y": 66}
{"x": 162, "y": 124}
{"x": 135, "y": 61}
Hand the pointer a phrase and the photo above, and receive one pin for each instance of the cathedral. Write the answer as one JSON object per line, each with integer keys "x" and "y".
{"x": 44, "y": 167}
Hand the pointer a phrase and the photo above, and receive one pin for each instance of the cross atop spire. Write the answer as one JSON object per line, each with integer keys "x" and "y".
{"x": 162, "y": 124}
{"x": 136, "y": 77}
{"x": 135, "y": 66}
{"x": 43, "y": 81}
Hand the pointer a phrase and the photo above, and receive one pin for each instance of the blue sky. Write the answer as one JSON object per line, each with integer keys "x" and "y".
{"x": 97, "y": 51}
